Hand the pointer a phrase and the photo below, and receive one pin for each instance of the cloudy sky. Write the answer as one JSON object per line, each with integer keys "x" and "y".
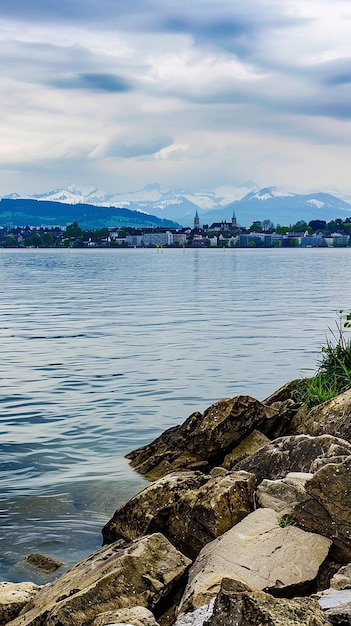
{"x": 192, "y": 94}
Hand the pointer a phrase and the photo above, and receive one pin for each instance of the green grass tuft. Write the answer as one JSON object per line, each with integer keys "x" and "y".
{"x": 333, "y": 376}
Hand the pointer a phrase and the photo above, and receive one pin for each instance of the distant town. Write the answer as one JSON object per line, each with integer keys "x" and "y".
{"x": 314, "y": 234}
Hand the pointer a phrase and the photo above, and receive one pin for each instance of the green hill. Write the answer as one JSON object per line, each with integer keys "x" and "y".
{"x": 23, "y": 212}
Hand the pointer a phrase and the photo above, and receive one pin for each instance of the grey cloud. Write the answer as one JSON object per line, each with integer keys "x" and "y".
{"x": 335, "y": 73}
{"x": 130, "y": 147}
{"x": 94, "y": 81}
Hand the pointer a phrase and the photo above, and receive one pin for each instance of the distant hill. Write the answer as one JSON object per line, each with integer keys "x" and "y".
{"x": 281, "y": 207}
{"x": 93, "y": 208}
{"x": 23, "y": 212}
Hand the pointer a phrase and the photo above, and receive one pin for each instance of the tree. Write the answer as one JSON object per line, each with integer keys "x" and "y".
{"x": 256, "y": 227}
{"x": 282, "y": 230}
{"x": 300, "y": 227}
{"x": 267, "y": 226}
{"x": 317, "y": 225}
{"x": 74, "y": 231}
{"x": 47, "y": 239}
{"x": 33, "y": 241}
{"x": 10, "y": 242}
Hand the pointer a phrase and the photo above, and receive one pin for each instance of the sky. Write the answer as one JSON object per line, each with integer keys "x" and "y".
{"x": 192, "y": 94}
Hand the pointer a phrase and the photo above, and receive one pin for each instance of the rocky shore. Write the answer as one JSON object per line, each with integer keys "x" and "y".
{"x": 246, "y": 521}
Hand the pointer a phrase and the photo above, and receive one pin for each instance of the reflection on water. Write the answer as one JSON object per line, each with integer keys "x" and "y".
{"x": 101, "y": 350}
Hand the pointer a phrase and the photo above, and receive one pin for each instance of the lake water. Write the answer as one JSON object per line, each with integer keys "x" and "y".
{"x": 102, "y": 350}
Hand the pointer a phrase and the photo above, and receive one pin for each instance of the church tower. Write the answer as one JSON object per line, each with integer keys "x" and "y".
{"x": 196, "y": 221}
{"x": 234, "y": 225}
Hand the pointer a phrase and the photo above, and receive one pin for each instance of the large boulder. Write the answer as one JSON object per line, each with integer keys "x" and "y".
{"x": 142, "y": 573}
{"x": 13, "y": 598}
{"x": 204, "y": 439}
{"x": 332, "y": 417}
{"x": 189, "y": 508}
{"x": 260, "y": 553}
{"x": 327, "y": 510}
{"x": 257, "y": 608}
{"x": 319, "y": 502}
{"x": 294, "y": 453}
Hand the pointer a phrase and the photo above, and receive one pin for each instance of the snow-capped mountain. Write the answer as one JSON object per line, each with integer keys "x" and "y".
{"x": 248, "y": 202}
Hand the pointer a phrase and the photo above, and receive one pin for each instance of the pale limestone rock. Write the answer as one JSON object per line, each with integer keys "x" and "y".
{"x": 189, "y": 508}
{"x": 259, "y": 553}
{"x": 282, "y": 495}
{"x": 342, "y": 578}
{"x": 135, "y": 616}
{"x": 13, "y": 598}
{"x": 117, "y": 576}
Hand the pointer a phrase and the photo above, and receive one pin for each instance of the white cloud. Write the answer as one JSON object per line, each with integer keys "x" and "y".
{"x": 190, "y": 94}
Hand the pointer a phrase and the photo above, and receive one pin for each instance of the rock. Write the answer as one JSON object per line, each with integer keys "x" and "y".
{"x": 259, "y": 553}
{"x": 294, "y": 453}
{"x": 45, "y": 563}
{"x": 135, "y": 616}
{"x": 189, "y": 508}
{"x": 342, "y": 578}
{"x": 340, "y": 615}
{"x": 327, "y": 509}
{"x": 197, "y": 617}
{"x": 332, "y": 417}
{"x": 249, "y": 445}
{"x": 282, "y": 495}
{"x": 203, "y": 440}
{"x": 13, "y": 598}
{"x": 286, "y": 392}
{"x": 257, "y": 608}
{"x": 336, "y": 606}
{"x": 121, "y": 575}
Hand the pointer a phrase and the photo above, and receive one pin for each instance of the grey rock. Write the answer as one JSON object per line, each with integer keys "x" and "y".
{"x": 327, "y": 508}
{"x": 257, "y": 608}
{"x": 294, "y": 453}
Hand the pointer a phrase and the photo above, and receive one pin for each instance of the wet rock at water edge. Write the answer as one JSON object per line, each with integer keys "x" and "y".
{"x": 45, "y": 563}
{"x": 121, "y": 575}
{"x": 189, "y": 508}
{"x": 204, "y": 439}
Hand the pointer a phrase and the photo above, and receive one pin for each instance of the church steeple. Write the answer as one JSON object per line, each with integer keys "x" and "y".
{"x": 196, "y": 220}
{"x": 234, "y": 220}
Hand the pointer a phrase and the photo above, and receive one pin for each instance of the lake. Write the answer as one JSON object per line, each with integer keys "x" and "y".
{"x": 102, "y": 350}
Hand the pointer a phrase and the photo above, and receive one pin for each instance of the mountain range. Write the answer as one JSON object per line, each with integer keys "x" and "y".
{"x": 155, "y": 205}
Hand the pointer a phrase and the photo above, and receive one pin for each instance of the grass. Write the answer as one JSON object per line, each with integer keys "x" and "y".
{"x": 286, "y": 521}
{"x": 333, "y": 376}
